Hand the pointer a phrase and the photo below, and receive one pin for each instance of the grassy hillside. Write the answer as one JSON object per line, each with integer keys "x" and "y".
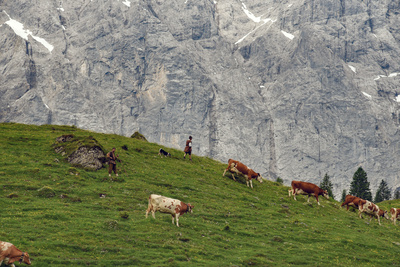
{"x": 231, "y": 225}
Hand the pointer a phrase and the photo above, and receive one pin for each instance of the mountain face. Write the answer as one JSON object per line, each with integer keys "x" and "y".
{"x": 293, "y": 89}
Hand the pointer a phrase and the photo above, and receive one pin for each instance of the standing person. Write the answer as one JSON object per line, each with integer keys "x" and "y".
{"x": 188, "y": 148}
{"x": 112, "y": 162}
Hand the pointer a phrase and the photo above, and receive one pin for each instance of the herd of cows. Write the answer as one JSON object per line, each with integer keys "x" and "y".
{"x": 177, "y": 208}
{"x": 363, "y": 206}
{"x": 9, "y": 253}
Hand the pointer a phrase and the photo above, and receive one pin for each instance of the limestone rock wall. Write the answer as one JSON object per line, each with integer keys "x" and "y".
{"x": 293, "y": 89}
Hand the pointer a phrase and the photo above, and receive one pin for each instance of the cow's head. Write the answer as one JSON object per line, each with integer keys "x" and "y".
{"x": 384, "y": 214}
{"x": 325, "y": 194}
{"x": 259, "y": 178}
{"x": 26, "y": 258}
{"x": 189, "y": 208}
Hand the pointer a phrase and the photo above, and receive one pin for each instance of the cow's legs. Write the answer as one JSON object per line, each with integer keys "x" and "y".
{"x": 308, "y": 198}
{"x": 316, "y": 197}
{"x": 290, "y": 191}
{"x": 229, "y": 169}
{"x": 176, "y": 216}
{"x": 233, "y": 170}
{"x": 251, "y": 184}
{"x": 294, "y": 194}
{"x": 150, "y": 208}
{"x": 379, "y": 220}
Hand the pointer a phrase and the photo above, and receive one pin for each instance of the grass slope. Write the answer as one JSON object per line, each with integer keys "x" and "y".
{"x": 231, "y": 224}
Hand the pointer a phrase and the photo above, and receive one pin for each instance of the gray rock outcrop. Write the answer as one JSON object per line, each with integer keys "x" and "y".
{"x": 293, "y": 89}
{"x": 81, "y": 152}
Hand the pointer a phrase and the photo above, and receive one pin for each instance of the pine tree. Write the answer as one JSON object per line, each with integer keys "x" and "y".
{"x": 397, "y": 194}
{"x": 359, "y": 187}
{"x": 383, "y": 192}
{"x": 327, "y": 185}
{"x": 344, "y": 194}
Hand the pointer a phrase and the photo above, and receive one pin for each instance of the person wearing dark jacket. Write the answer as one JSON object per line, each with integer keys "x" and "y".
{"x": 112, "y": 162}
{"x": 188, "y": 148}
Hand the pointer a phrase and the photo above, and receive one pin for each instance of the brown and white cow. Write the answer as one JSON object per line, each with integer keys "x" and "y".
{"x": 351, "y": 201}
{"x": 9, "y": 254}
{"x": 369, "y": 208}
{"x": 237, "y": 167}
{"x": 172, "y": 206}
{"x": 395, "y": 212}
{"x": 309, "y": 189}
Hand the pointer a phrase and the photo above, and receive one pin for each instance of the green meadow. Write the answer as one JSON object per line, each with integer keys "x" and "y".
{"x": 231, "y": 224}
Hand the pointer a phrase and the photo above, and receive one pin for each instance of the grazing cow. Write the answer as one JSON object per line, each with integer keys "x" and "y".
{"x": 309, "y": 189}
{"x": 395, "y": 214}
{"x": 369, "y": 208}
{"x": 239, "y": 168}
{"x": 351, "y": 201}
{"x": 9, "y": 254}
{"x": 168, "y": 205}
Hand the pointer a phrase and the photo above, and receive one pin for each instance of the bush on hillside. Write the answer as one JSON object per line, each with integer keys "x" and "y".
{"x": 46, "y": 191}
{"x": 124, "y": 214}
{"x": 111, "y": 225}
{"x": 12, "y": 195}
{"x": 73, "y": 171}
{"x": 138, "y": 136}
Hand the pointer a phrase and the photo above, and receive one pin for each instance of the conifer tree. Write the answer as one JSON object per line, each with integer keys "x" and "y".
{"x": 359, "y": 187}
{"x": 397, "y": 194}
{"x": 327, "y": 185}
{"x": 383, "y": 192}
{"x": 344, "y": 194}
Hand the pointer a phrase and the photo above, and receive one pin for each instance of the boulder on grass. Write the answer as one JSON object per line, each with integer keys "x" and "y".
{"x": 83, "y": 152}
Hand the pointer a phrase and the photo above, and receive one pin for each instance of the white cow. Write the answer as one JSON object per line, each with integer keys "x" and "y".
{"x": 172, "y": 206}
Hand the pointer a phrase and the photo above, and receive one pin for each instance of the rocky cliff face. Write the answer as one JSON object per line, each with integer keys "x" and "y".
{"x": 294, "y": 89}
